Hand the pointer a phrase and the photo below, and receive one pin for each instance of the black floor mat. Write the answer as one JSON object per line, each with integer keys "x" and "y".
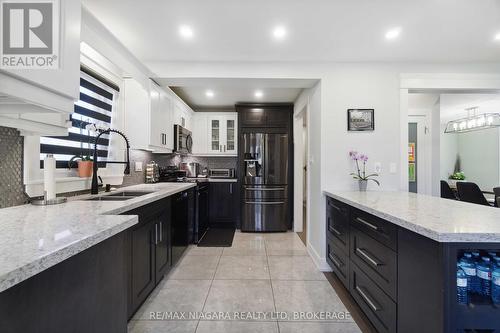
{"x": 217, "y": 237}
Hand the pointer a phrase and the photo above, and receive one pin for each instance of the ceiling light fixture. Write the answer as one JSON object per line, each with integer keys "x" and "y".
{"x": 497, "y": 37}
{"x": 393, "y": 33}
{"x": 258, "y": 94}
{"x": 279, "y": 32}
{"x": 209, "y": 93}
{"x": 186, "y": 32}
{"x": 473, "y": 122}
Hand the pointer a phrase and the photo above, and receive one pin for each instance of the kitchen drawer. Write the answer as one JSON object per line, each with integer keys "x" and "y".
{"x": 376, "y": 260}
{"x": 378, "y": 307}
{"x": 337, "y": 222}
{"x": 338, "y": 261}
{"x": 383, "y": 231}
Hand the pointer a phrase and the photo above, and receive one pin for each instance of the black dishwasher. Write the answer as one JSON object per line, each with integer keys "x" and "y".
{"x": 180, "y": 225}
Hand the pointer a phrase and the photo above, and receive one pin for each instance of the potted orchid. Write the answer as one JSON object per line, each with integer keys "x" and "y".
{"x": 361, "y": 175}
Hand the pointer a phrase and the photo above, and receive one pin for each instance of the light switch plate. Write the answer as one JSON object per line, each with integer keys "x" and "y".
{"x": 378, "y": 167}
{"x": 138, "y": 166}
{"x": 392, "y": 168}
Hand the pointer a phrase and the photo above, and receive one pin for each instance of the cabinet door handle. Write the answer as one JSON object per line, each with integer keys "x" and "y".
{"x": 224, "y": 148}
{"x": 332, "y": 229}
{"x": 367, "y": 299}
{"x": 367, "y": 257}
{"x": 161, "y": 231}
{"x": 337, "y": 263}
{"x": 231, "y": 188}
{"x": 156, "y": 233}
{"x": 368, "y": 224}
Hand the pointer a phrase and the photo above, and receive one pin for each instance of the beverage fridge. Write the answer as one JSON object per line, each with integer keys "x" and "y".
{"x": 265, "y": 182}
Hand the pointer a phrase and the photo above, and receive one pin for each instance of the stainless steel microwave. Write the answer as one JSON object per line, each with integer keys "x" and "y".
{"x": 183, "y": 140}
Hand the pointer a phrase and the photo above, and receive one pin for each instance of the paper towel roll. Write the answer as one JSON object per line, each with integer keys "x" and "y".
{"x": 49, "y": 179}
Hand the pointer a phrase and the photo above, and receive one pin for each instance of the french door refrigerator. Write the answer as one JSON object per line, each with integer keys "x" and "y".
{"x": 265, "y": 182}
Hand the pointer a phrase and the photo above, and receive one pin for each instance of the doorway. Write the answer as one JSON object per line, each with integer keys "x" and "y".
{"x": 301, "y": 161}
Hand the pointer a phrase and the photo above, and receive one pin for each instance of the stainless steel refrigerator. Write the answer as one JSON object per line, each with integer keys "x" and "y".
{"x": 265, "y": 182}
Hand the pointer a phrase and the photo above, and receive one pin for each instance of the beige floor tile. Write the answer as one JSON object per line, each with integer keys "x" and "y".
{"x": 254, "y": 247}
{"x": 240, "y": 296}
{"x": 242, "y": 268}
{"x": 286, "y": 247}
{"x": 175, "y": 296}
{"x": 302, "y": 327}
{"x": 146, "y": 326}
{"x": 204, "y": 251}
{"x": 195, "y": 267}
{"x": 237, "y": 327}
{"x": 308, "y": 296}
{"x": 294, "y": 268}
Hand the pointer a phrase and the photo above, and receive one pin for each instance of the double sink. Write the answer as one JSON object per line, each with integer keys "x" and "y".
{"x": 119, "y": 196}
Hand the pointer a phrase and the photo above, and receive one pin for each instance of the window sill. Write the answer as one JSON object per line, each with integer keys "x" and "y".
{"x": 34, "y": 188}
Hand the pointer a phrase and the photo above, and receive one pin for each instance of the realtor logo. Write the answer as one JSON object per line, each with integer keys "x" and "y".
{"x": 29, "y": 34}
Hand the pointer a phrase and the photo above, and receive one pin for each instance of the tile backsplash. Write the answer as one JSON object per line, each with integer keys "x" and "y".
{"x": 11, "y": 168}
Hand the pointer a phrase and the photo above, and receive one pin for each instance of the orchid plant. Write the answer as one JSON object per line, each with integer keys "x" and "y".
{"x": 361, "y": 173}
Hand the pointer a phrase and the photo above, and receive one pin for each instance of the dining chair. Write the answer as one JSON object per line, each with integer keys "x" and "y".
{"x": 446, "y": 191}
{"x": 470, "y": 192}
{"x": 496, "y": 190}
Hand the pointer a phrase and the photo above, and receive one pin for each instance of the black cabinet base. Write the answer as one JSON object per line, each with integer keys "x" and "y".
{"x": 86, "y": 293}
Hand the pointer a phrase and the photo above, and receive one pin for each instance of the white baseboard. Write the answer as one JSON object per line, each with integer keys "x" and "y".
{"x": 319, "y": 261}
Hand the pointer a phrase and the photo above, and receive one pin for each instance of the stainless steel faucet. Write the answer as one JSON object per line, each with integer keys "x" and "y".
{"x": 95, "y": 186}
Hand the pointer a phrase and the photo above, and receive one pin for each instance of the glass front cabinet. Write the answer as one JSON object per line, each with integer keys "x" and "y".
{"x": 222, "y": 134}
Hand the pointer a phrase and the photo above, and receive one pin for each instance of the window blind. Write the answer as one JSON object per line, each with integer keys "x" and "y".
{"x": 95, "y": 106}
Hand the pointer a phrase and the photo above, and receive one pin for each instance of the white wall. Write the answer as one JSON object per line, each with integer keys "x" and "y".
{"x": 343, "y": 86}
{"x": 479, "y": 156}
{"x": 449, "y": 151}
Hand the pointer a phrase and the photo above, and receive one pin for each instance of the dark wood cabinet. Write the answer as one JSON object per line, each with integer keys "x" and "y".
{"x": 223, "y": 204}
{"x": 163, "y": 255}
{"x": 142, "y": 263}
{"x": 150, "y": 251}
{"x": 269, "y": 115}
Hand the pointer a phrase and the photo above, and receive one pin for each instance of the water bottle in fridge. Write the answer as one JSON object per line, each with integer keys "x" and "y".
{"x": 484, "y": 274}
{"x": 469, "y": 267}
{"x": 462, "y": 295}
{"x": 495, "y": 285}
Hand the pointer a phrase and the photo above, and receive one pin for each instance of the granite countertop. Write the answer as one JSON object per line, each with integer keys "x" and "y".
{"x": 442, "y": 220}
{"x": 34, "y": 238}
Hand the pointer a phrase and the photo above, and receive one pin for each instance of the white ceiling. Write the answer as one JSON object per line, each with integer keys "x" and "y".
{"x": 317, "y": 30}
{"x": 228, "y": 92}
{"x": 452, "y": 106}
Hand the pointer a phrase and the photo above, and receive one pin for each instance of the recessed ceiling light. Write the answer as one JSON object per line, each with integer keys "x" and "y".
{"x": 279, "y": 32}
{"x": 186, "y": 31}
{"x": 209, "y": 93}
{"x": 393, "y": 33}
{"x": 258, "y": 94}
{"x": 497, "y": 37}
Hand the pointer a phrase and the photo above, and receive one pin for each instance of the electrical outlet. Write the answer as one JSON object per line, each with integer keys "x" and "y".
{"x": 378, "y": 167}
{"x": 138, "y": 166}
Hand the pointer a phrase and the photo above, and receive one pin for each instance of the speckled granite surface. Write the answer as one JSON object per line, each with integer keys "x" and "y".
{"x": 34, "y": 238}
{"x": 442, "y": 220}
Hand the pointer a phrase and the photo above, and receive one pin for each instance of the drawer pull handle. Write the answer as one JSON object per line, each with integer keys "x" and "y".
{"x": 367, "y": 299}
{"x": 335, "y": 261}
{"x": 332, "y": 229}
{"x": 368, "y": 224}
{"x": 367, "y": 257}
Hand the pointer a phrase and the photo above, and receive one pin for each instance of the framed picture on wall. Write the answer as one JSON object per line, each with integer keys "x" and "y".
{"x": 360, "y": 120}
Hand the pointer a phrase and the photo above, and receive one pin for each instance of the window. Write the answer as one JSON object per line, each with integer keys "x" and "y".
{"x": 95, "y": 106}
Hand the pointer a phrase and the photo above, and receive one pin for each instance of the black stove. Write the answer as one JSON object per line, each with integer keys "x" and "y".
{"x": 172, "y": 174}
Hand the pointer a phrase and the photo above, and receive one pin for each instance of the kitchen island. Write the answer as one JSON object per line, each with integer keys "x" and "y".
{"x": 68, "y": 267}
{"x": 396, "y": 253}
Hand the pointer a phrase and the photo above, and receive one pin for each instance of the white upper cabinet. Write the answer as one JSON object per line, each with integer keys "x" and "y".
{"x": 26, "y": 95}
{"x": 148, "y": 117}
{"x": 183, "y": 115}
{"x": 215, "y": 134}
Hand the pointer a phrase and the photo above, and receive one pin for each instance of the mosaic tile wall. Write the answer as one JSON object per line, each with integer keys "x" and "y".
{"x": 11, "y": 168}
